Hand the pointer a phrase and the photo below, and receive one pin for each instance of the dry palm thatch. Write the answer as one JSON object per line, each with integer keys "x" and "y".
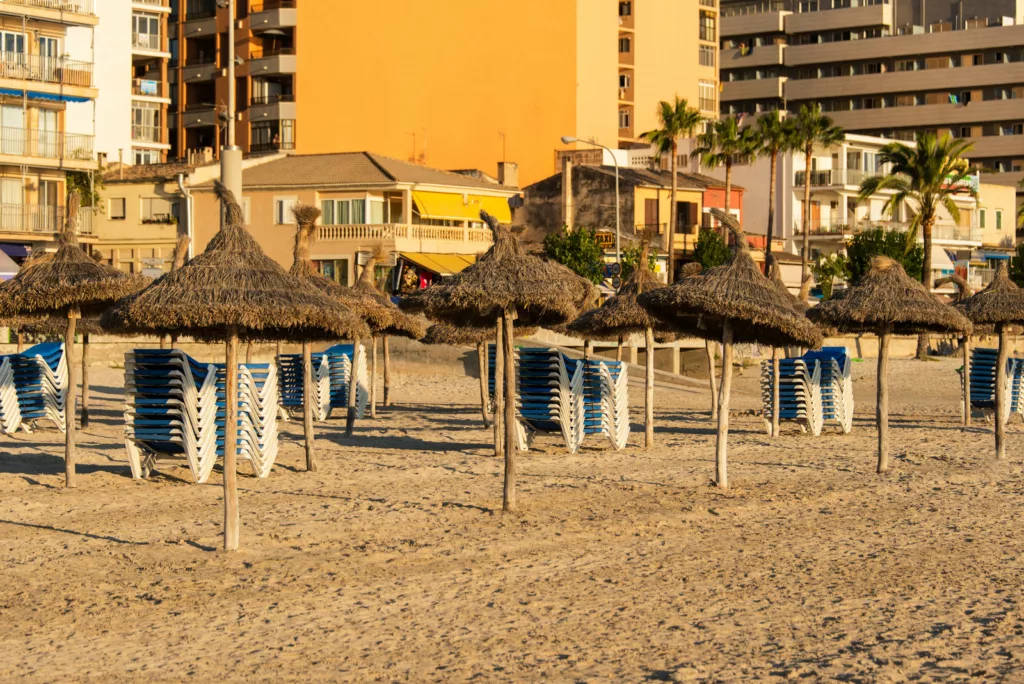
{"x": 737, "y": 302}
{"x": 230, "y": 291}
{"x": 774, "y": 272}
{"x": 999, "y": 306}
{"x": 446, "y": 333}
{"x": 888, "y": 302}
{"x": 51, "y": 326}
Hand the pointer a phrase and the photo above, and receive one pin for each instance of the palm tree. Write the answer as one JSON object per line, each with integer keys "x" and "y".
{"x": 775, "y": 135}
{"x": 726, "y": 143}
{"x": 678, "y": 119}
{"x": 1020, "y": 212}
{"x": 810, "y": 128}
{"x": 926, "y": 176}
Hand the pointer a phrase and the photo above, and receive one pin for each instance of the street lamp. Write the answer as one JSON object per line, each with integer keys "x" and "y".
{"x": 568, "y": 140}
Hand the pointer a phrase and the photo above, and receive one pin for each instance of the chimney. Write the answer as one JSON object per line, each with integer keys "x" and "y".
{"x": 508, "y": 174}
{"x": 568, "y": 212}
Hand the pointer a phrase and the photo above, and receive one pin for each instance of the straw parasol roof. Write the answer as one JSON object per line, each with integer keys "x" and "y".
{"x": 233, "y": 283}
{"x": 468, "y": 336}
{"x": 736, "y": 291}
{"x": 886, "y": 298}
{"x": 68, "y": 278}
{"x": 774, "y": 272}
{"x": 621, "y": 315}
{"x": 543, "y": 293}
{"x": 963, "y": 290}
{"x": 400, "y": 323}
{"x": 1001, "y": 302}
{"x": 52, "y": 326}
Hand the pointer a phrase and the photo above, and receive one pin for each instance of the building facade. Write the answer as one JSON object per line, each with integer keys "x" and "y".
{"x": 46, "y": 69}
{"x": 885, "y": 68}
{"x": 459, "y": 84}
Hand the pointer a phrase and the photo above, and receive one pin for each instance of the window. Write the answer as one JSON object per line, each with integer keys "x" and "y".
{"x": 347, "y": 212}
{"x": 334, "y": 269}
{"x": 707, "y": 55}
{"x": 142, "y": 157}
{"x": 623, "y": 118}
{"x": 117, "y": 205}
{"x": 707, "y": 26}
{"x": 999, "y": 219}
{"x": 146, "y": 31}
{"x": 624, "y": 45}
{"x": 283, "y": 210}
{"x": 981, "y": 218}
{"x": 965, "y": 131}
{"x": 906, "y": 65}
{"x": 625, "y": 81}
{"x": 157, "y": 210}
{"x": 707, "y": 96}
{"x": 625, "y": 8}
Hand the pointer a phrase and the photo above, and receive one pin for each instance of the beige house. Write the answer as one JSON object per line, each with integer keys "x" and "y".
{"x": 428, "y": 219}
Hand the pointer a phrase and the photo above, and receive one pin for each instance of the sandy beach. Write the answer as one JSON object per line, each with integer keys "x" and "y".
{"x": 394, "y": 563}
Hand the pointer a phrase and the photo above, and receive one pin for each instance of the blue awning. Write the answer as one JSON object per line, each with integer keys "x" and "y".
{"x": 14, "y": 250}
{"x": 996, "y": 255}
{"x": 42, "y": 96}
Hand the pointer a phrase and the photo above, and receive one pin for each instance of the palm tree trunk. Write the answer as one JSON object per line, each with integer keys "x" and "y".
{"x": 670, "y": 234}
{"x": 805, "y": 252}
{"x": 728, "y": 189}
{"x": 771, "y": 202}
{"x": 926, "y": 279}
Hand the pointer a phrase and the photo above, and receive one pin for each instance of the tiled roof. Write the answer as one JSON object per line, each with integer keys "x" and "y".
{"x": 640, "y": 176}
{"x": 143, "y": 173}
{"x": 350, "y": 168}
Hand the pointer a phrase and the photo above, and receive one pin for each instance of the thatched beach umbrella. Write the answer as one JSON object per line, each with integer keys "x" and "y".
{"x": 774, "y": 272}
{"x": 229, "y": 292}
{"x": 507, "y": 284}
{"x": 887, "y": 302}
{"x": 69, "y": 283}
{"x": 734, "y": 303}
{"x": 620, "y": 316}
{"x": 303, "y": 269}
{"x": 963, "y": 291}
{"x": 1000, "y": 305}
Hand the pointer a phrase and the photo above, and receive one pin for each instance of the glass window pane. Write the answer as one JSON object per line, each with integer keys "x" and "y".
{"x": 327, "y": 209}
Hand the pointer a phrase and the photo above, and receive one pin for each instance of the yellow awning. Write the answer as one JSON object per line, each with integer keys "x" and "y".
{"x": 459, "y": 207}
{"x": 441, "y": 264}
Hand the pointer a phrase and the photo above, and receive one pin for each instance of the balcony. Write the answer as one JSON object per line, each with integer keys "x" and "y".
{"x": 36, "y": 144}
{"x": 764, "y": 55}
{"x": 271, "y": 146}
{"x": 147, "y": 134}
{"x": 927, "y": 116}
{"x": 968, "y": 78}
{"x": 754, "y": 18}
{"x": 869, "y": 15}
{"x": 151, "y": 89}
{"x": 34, "y": 218}
{"x": 150, "y": 44}
{"x": 203, "y": 69}
{"x": 264, "y": 62}
{"x": 753, "y": 89}
{"x": 276, "y": 107}
{"x": 831, "y": 178}
{"x": 835, "y": 228}
{"x": 272, "y": 14}
{"x": 23, "y": 67}
{"x": 410, "y": 238}
{"x": 73, "y": 12}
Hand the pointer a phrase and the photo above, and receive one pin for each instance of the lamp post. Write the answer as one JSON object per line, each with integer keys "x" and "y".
{"x": 231, "y": 154}
{"x": 568, "y": 140}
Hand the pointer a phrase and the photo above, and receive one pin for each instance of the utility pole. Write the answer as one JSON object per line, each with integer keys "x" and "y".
{"x": 231, "y": 155}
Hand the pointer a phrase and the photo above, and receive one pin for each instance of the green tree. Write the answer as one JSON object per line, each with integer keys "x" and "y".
{"x": 677, "y": 119}
{"x": 811, "y": 128}
{"x": 900, "y": 246}
{"x": 578, "y": 250}
{"x": 1017, "y": 266}
{"x": 828, "y": 269}
{"x": 923, "y": 178}
{"x": 79, "y": 180}
{"x": 711, "y": 249}
{"x": 631, "y": 257}
{"x": 726, "y": 143}
{"x": 775, "y": 135}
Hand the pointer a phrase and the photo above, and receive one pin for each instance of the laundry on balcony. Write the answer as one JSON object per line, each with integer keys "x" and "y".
{"x": 460, "y": 207}
{"x": 34, "y": 95}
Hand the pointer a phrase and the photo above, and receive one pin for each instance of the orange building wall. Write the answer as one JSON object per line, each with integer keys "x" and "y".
{"x": 454, "y": 72}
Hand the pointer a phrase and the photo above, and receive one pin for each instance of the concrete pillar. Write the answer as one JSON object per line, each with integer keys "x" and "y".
{"x": 633, "y": 353}
{"x": 676, "y": 358}
{"x": 568, "y": 210}
{"x": 407, "y": 207}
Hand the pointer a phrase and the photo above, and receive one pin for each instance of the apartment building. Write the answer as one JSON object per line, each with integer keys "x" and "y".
{"x": 885, "y": 68}
{"x": 459, "y": 84}
{"x": 46, "y": 67}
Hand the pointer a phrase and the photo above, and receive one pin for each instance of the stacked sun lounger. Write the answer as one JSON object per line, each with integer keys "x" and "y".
{"x": 606, "y": 400}
{"x": 176, "y": 406}
{"x": 983, "y": 382}
{"x": 332, "y": 375}
{"x": 33, "y": 387}
{"x": 815, "y": 390}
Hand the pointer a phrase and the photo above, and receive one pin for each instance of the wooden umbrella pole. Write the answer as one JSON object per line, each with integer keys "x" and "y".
{"x": 776, "y": 355}
{"x": 85, "y": 380}
{"x": 618, "y": 351}
{"x": 508, "y": 503}
{"x": 163, "y": 341}
{"x": 350, "y": 417}
{"x": 499, "y": 390}
{"x": 174, "y": 341}
{"x": 373, "y": 376}
{"x": 967, "y": 380}
{"x": 722, "y": 445}
{"x": 882, "y": 405}
{"x": 21, "y": 341}
{"x": 709, "y": 348}
{"x": 248, "y": 353}
{"x": 387, "y": 370}
{"x": 481, "y": 360}
{"x": 277, "y": 352}
{"x": 69, "y": 400}
{"x": 649, "y": 386}
{"x": 231, "y": 441}
{"x": 1001, "y": 358}
{"x": 308, "y": 400}
{"x": 588, "y": 349}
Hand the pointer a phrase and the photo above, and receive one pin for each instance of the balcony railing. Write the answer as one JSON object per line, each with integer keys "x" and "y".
{"x": 839, "y": 228}
{"x": 155, "y": 3}
{"x": 147, "y": 88}
{"x": 271, "y": 146}
{"x": 34, "y": 218}
{"x": 200, "y": 9}
{"x": 73, "y": 6}
{"x": 273, "y": 99}
{"x": 46, "y": 69}
{"x": 144, "y": 133}
{"x": 404, "y": 231}
{"x": 45, "y": 144}
{"x": 832, "y": 177}
{"x": 259, "y": 53}
{"x": 147, "y": 41}
{"x": 269, "y": 5}
{"x": 650, "y": 228}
